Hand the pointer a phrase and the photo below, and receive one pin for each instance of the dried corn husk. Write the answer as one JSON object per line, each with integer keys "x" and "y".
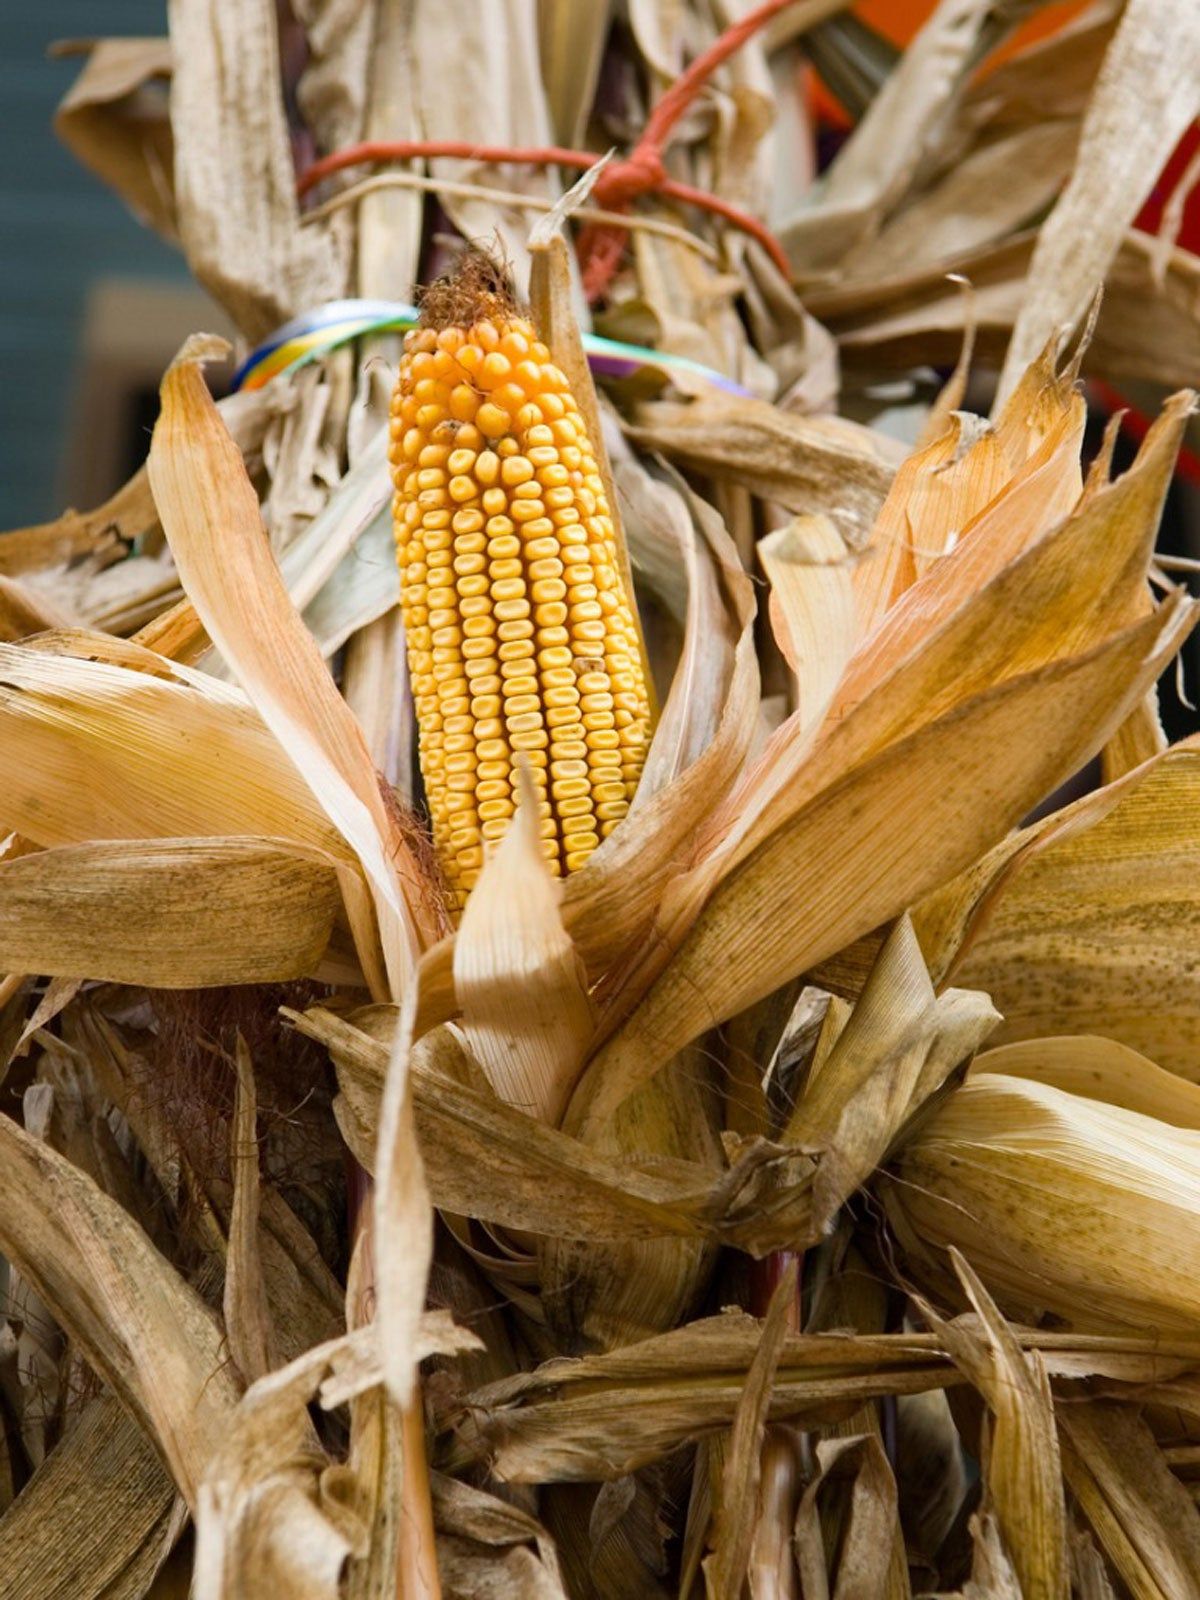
{"x": 1031, "y": 1183}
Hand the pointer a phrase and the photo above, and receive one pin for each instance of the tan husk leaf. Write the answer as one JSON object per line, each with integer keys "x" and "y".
{"x": 200, "y": 485}
{"x": 768, "y": 922}
{"x": 1032, "y": 1183}
{"x": 138, "y": 1323}
{"x": 98, "y": 1517}
{"x": 808, "y": 464}
{"x": 1022, "y": 1474}
{"x": 725, "y": 1568}
{"x": 1144, "y": 1518}
{"x": 1085, "y": 922}
{"x": 171, "y": 913}
{"x": 526, "y": 1017}
{"x": 488, "y": 1160}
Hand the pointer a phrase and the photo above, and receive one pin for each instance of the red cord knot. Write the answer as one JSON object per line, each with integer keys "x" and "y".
{"x": 640, "y": 173}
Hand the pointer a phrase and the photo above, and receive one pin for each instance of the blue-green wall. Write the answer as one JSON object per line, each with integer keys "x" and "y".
{"x": 59, "y": 231}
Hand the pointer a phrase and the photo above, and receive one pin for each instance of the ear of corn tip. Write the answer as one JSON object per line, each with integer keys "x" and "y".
{"x": 520, "y": 634}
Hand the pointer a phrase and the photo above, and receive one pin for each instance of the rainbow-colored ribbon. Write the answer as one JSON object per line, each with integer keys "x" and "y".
{"x": 312, "y": 335}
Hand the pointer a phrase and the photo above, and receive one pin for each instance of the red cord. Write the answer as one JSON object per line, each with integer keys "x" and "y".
{"x": 622, "y": 182}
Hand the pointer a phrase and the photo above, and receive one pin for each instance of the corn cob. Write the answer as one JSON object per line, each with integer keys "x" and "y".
{"x": 520, "y": 635}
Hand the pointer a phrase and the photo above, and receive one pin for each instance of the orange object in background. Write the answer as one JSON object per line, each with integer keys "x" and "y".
{"x": 898, "y": 20}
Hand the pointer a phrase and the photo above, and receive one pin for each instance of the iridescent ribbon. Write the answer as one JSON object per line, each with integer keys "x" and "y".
{"x": 314, "y": 334}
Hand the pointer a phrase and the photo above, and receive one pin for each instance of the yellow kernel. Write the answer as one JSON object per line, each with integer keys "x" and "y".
{"x": 569, "y": 788}
{"x": 462, "y": 488}
{"x": 517, "y": 469}
{"x": 461, "y": 461}
{"x": 487, "y": 468}
{"x": 490, "y": 420}
{"x": 491, "y": 809}
{"x": 494, "y": 368}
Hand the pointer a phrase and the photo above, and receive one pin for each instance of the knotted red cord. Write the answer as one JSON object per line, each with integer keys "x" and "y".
{"x": 639, "y": 173}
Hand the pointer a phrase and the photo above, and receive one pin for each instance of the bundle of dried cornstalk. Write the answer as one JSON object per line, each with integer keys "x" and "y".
{"x": 556, "y": 1065}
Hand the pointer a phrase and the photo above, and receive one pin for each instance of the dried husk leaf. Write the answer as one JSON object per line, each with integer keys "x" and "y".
{"x": 807, "y": 464}
{"x": 609, "y": 904}
{"x": 1032, "y": 1184}
{"x": 245, "y": 1305}
{"x": 1084, "y": 922}
{"x": 172, "y": 913}
{"x": 1154, "y": 58}
{"x": 96, "y": 1520}
{"x": 1023, "y": 1476}
{"x": 260, "y": 1522}
{"x": 495, "y": 95}
{"x": 878, "y": 161}
{"x": 865, "y": 1559}
{"x": 234, "y": 179}
{"x": 135, "y": 1320}
{"x": 113, "y": 121}
{"x": 897, "y": 1048}
{"x": 491, "y": 1161}
{"x": 526, "y": 1016}
{"x": 599, "y": 1417}
{"x": 766, "y": 923}
{"x": 402, "y": 1219}
{"x": 600, "y": 1296}
{"x": 1143, "y": 1517}
{"x": 725, "y": 1569}
{"x": 812, "y": 608}
{"x": 937, "y": 671}
{"x": 200, "y": 484}
{"x": 111, "y": 741}
{"x": 995, "y": 189}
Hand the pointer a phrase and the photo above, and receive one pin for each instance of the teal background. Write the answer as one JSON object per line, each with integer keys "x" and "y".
{"x": 60, "y": 232}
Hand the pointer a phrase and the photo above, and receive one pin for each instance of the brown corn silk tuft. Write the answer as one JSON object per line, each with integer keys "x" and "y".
{"x": 522, "y": 642}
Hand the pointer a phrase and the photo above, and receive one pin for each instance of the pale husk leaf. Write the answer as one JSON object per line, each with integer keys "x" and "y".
{"x": 766, "y": 922}
{"x": 526, "y": 1016}
{"x": 170, "y": 913}
{"x": 812, "y": 608}
{"x": 1032, "y": 1184}
{"x": 200, "y": 484}
{"x": 234, "y": 181}
{"x": 245, "y": 1305}
{"x": 1085, "y": 922}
